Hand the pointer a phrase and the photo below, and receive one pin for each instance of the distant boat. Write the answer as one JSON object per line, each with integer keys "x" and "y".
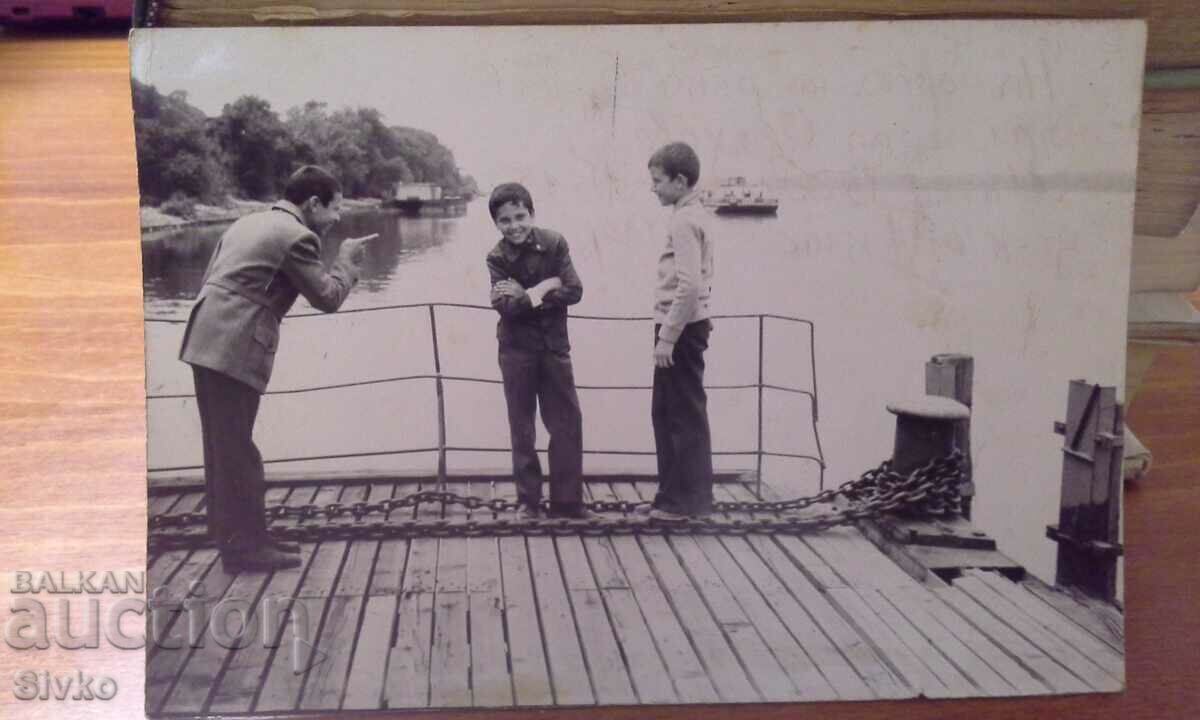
{"x": 738, "y": 197}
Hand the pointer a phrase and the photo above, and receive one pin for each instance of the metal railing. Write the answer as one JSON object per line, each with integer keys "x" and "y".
{"x": 443, "y": 448}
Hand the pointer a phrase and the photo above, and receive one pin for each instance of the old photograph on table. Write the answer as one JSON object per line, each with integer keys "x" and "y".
{"x": 576, "y": 366}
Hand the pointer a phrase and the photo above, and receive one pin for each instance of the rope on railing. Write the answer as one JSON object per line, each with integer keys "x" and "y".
{"x": 439, "y": 379}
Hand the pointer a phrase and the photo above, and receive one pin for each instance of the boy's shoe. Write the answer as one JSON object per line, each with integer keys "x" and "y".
{"x": 666, "y": 515}
{"x": 261, "y": 559}
{"x": 528, "y": 512}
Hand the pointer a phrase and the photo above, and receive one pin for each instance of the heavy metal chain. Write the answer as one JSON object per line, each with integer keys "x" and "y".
{"x": 929, "y": 490}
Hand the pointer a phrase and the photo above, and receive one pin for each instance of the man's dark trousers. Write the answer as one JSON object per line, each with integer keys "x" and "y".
{"x": 679, "y": 411}
{"x": 235, "y": 486}
{"x": 545, "y": 378}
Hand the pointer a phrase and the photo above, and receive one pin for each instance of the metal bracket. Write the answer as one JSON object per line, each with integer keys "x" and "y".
{"x": 1098, "y": 548}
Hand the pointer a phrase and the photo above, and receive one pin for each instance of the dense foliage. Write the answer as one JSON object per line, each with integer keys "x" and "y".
{"x": 248, "y": 151}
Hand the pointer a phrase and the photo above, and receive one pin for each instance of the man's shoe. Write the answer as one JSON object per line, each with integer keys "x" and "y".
{"x": 666, "y": 515}
{"x": 573, "y": 513}
{"x": 283, "y": 545}
{"x": 262, "y": 559}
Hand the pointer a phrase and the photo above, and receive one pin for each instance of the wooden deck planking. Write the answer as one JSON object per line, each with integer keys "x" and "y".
{"x": 290, "y": 665}
{"x": 1054, "y": 621}
{"x": 963, "y": 674}
{"x": 692, "y": 683}
{"x": 491, "y": 683}
{"x": 236, "y": 689}
{"x": 610, "y": 677}
{"x": 1037, "y": 634}
{"x": 205, "y": 663}
{"x": 644, "y": 664}
{"x": 340, "y": 633}
{"x": 407, "y": 683}
{"x": 564, "y": 654}
{"x": 204, "y": 568}
{"x": 887, "y": 641}
{"x": 862, "y": 657}
{"x": 1105, "y": 623}
{"x": 572, "y": 620}
{"x": 713, "y": 648}
{"x": 527, "y": 653}
{"x": 368, "y": 665}
{"x": 450, "y": 655}
{"x": 1030, "y": 656}
{"x": 983, "y": 646}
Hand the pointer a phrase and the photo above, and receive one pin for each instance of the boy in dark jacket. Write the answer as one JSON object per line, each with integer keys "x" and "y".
{"x": 533, "y": 282}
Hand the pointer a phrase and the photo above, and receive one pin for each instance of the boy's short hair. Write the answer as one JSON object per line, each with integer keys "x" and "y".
{"x": 677, "y": 158}
{"x": 308, "y": 181}
{"x": 509, "y": 193}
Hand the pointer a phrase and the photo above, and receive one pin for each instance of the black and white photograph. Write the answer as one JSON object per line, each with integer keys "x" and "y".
{"x": 634, "y": 365}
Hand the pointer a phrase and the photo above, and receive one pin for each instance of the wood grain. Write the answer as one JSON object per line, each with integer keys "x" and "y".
{"x": 72, "y": 485}
{"x": 1172, "y": 25}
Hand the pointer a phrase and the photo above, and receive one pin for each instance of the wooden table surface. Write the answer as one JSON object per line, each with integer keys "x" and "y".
{"x": 72, "y": 424}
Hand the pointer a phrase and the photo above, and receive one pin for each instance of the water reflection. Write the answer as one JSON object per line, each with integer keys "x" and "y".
{"x": 173, "y": 261}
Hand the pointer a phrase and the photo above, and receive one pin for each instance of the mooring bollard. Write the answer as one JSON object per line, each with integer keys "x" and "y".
{"x": 953, "y": 376}
{"x": 925, "y": 430}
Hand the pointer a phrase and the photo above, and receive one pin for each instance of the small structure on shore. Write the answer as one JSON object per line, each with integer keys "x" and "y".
{"x": 426, "y": 199}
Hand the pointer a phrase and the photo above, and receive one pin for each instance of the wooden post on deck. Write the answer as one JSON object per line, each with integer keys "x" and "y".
{"x": 1088, "y": 526}
{"x": 952, "y": 376}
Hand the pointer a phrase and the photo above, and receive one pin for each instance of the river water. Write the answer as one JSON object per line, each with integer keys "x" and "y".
{"x": 885, "y": 293}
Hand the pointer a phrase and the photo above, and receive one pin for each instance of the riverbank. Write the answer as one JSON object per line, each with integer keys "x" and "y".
{"x": 154, "y": 219}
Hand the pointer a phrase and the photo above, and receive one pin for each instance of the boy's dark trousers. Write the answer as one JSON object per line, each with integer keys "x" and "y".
{"x": 545, "y": 378}
{"x": 679, "y": 411}
{"x": 234, "y": 483}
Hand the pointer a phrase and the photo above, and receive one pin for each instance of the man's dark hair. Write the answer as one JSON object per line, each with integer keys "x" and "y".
{"x": 677, "y": 158}
{"x": 509, "y": 193}
{"x": 308, "y": 181}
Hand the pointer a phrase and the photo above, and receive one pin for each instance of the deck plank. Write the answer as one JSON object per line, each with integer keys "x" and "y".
{"x": 207, "y": 572}
{"x": 204, "y": 666}
{"x": 1035, "y": 633}
{"x": 704, "y": 627}
{"x": 1013, "y": 673}
{"x": 888, "y": 642}
{"x": 1057, "y": 623}
{"x": 869, "y": 666}
{"x": 963, "y": 674}
{"x": 1106, "y": 623}
{"x": 808, "y": 681}
{"x": 326, "y": 683}
{"x": 1039, "y": 663}
{"x": 610, "y": 677}
{"x": 692, "y": 683}
{"x": 491, "y": 684}
{"x": 290, "y": 665}
{"x": 644, "y": 665}
{"x": 568, "y": 671}
{"x": 237, "y": 687}
{"x": 762, "y": 667}
{"x": 408, "y": 664}
{"x": 530, "y": 675}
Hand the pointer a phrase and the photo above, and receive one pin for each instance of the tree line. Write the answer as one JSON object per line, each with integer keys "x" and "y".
{"x": 248, "y": 151}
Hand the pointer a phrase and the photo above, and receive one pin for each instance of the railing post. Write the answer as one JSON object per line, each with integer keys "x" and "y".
{"x": 1088, "y": 529}
{"x": 441, "y": 400}
{"x": 759, "y": 455}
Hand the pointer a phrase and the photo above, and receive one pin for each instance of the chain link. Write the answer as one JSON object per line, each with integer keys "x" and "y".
{"x": 929, "y": 490}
